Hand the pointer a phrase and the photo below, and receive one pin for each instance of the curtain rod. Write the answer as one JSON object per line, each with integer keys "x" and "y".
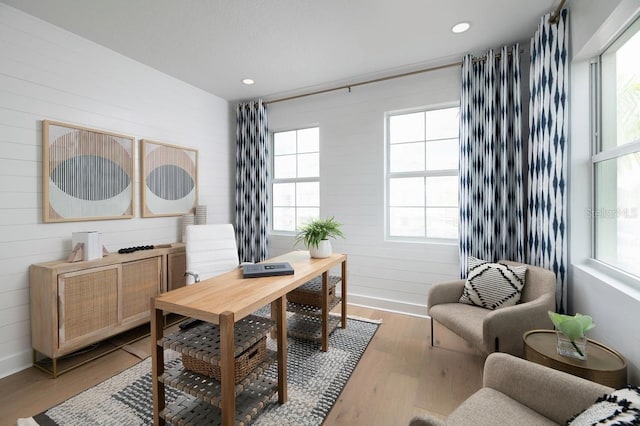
{"x": 377, "y": 80}
{"x": 553, "y": 19}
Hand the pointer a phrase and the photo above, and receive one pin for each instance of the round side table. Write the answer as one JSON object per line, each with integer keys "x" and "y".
{"x": 603, "y": 364}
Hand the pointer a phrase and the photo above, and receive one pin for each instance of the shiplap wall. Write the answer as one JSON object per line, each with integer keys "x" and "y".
{"x": 384, "y": 274}
{"x": 49, "y": 73}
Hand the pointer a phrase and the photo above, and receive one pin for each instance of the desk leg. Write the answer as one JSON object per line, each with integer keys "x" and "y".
{"x": 325, "y": 311}
{"x": 157, "y": 363}
{"x": 279, "y": 308}
{"x": 227, "y": 367}
{"x": 344, "y": 294}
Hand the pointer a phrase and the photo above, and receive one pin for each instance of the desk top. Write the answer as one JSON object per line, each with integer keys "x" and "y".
{"x": 230, "y": 293}
{"x": 599, "y": 356}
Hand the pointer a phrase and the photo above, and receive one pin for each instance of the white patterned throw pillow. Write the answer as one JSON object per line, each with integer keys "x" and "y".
{"x": 492, "y": 285}
{"x": 608, "y": 410}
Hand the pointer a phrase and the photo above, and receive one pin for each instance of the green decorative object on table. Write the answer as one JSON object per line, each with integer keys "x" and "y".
{"x": 315, "y": 236}
{"x": 571, "y": 331}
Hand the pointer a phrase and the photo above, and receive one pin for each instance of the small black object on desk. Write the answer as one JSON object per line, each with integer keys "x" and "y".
{"x": 266, "y": 269}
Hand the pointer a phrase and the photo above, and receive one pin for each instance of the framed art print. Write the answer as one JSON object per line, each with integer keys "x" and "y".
{"x": 169, "y": 179}
{"x": 88, "y": 174}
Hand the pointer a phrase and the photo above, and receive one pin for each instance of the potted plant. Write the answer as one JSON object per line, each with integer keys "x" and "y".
{"x": 571, "y": 333}
{"x": 315, "y": 236}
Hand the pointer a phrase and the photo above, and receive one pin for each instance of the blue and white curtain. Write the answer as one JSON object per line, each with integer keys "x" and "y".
{"x": 548, "y": 114}
{"x": 251, "y": 181}
{"x": 491, "y": 159}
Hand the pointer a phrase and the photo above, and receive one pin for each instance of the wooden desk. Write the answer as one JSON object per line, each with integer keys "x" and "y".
{"x": 228, "y": 298}
{"x": 603, "y": 365}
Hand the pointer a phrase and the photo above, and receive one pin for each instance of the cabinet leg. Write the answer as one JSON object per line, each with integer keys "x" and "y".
{"x": 343, "y": 320}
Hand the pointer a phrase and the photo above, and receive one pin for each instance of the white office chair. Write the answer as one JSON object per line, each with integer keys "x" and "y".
{"x": 211, "y": 250}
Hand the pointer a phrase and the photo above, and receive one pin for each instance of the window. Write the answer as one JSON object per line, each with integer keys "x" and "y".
{"x": 422, "y": 174}
{"x": 616, "y": 158}
{"x": 296, "y": 178}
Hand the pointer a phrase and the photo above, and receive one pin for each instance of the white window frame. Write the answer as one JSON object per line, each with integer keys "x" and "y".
{"x": 599, "y": 155}
{"x": 274, "y": 181}
{"x": 388, "y": 175}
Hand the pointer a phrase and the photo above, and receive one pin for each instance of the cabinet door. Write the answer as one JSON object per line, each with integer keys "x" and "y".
{"x": 141, "y": 280}
{"x": 176, "y": 266}
{"x": 87, "y": 305}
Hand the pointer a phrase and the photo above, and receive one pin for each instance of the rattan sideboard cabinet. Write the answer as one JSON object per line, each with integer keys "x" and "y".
{"x": 76, "y": 304}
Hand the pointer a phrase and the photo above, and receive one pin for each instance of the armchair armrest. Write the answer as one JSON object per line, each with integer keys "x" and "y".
{"x": 440, "y": 293}
{"x": 510, "y": 323}
{"x": 554, "y": 394}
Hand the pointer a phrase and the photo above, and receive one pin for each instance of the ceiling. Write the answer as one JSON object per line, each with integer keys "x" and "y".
{"x": 290, "y": 46}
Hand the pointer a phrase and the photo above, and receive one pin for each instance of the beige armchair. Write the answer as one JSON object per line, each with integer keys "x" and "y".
{"x": 519, "y": 392}
{"x": 497, "y": 330}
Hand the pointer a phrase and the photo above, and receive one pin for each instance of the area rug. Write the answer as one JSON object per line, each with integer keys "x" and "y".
{"x": 315, "y": 380}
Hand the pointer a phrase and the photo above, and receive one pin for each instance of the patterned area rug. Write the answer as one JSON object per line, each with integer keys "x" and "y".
{"x": 315, "y": 380}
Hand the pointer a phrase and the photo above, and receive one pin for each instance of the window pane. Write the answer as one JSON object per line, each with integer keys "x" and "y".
{"x": 308, "y": 165}
{"x": 442, "y": 123}
{"x": 621, "y": 90}
{"x": 306, "y": 215}
{"x": 308, "y": 194}
{"x": 284, "y": 218}
{"x": 406, "y": 157}
{"x": 617, "y": 212}
{"x": 309, "y": 140}
{"x": 442, "y": 154}
{"x": 284, "y": 194}
{"x": 406, "y": 192}
{"x": 442, "y": 191}
{"x": 284, "y": 167}
{"x": 442, "y": 223}
{"x": 406, "y": 127}
{"x": 406, "y": 222}
{"x": 422, "y": 174}
{"x": 284, "y": 143}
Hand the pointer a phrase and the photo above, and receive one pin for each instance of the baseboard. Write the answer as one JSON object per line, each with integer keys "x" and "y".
{"x": 14, "y": 363}
{"x": 388, "y": 305}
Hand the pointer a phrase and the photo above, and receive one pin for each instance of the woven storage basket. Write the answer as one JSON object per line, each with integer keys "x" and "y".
{"x": 245, "y": 363}
{"x": 310, "y": 293}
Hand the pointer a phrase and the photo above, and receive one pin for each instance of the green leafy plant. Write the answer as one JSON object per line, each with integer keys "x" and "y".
{"x": 574, "y": 327}
{"x": 317, "y": 230}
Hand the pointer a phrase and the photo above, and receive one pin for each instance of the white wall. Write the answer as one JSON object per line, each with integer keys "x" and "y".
{"x": 614, "y": 306}
{"x": 49, "y": 73}
{"x": 388, "y": 275}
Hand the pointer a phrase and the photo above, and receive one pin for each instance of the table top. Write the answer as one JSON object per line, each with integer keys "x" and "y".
{"x": 599, "y": 356}
{"x": 231, "y": 293}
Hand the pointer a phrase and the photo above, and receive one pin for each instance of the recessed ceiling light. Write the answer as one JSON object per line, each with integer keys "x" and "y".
{"x": 461, "y": 27}
{"x": 248, "y": 81}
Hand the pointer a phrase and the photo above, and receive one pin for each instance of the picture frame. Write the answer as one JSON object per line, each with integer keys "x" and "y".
{"x": 169, "y": 179}
{"x": 87, "y": 174}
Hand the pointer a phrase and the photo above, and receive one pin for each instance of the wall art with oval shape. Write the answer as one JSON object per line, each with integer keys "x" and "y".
{"x": 88, "y": 174}
{"x": 169, "y": 179}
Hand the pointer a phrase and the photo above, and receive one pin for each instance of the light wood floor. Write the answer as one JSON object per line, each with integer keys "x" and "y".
{"x": 399, "y": 376}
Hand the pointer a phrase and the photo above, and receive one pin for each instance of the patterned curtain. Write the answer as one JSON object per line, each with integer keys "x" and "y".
{"x": 251, "y": 181}
{"x": 548, "y": 114}
{"x": 491, "y": 159}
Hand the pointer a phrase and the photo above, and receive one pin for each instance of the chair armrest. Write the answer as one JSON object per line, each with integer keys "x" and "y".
{"x": 554, "y": 394}
{"x": 510, "y": 323}
{"x": 440, "y": 293}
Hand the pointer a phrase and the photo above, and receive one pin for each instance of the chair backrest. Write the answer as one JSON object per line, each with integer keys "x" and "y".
{"x": 211, "y": 250}
{"x": 538, "y": 282}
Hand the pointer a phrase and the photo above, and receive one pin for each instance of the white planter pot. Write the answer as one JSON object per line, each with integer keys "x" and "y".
{"x": 323, "y": 250}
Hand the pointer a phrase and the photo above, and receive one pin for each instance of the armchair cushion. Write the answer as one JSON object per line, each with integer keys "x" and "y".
{"x": 493, "y": 285}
